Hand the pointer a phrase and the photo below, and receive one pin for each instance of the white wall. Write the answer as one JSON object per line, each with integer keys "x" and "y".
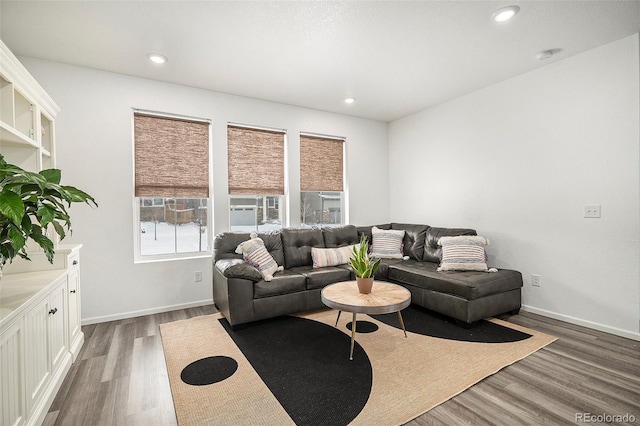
{"x": 94, "y": 151}
{"x": 519, "y": 160}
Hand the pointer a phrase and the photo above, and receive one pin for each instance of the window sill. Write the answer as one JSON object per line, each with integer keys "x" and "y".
{"x": 172, "y": 257}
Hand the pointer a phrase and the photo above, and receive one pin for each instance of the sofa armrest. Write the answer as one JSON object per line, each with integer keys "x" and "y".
{"x": 233, "y": 297}
{"x": 238, "y": 268}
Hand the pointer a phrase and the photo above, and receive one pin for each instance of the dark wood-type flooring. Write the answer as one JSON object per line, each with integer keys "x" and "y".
{"x": 120, "y": 378}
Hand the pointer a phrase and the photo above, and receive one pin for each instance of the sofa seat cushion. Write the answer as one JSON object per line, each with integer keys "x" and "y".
{"x": 282, "y": 283}
{"x": 321, "y": 277}
{"x": 382, "y": 273}
{"x": 469, "y": 285}
{"x": 347, "y": 267}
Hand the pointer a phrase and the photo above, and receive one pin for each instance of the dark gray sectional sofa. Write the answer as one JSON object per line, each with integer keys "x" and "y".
{"x": 243, "y": 296}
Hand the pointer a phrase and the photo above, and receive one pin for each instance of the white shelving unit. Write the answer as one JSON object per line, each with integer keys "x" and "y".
{"x": 27, "y": 116}
{"x": 40, "y": 303}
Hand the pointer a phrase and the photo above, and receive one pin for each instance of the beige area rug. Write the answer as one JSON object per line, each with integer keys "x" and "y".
{"x": 410, "y": 375}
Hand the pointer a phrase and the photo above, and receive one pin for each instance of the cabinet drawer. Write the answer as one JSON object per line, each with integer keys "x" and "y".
{"x": 74, "y": 261}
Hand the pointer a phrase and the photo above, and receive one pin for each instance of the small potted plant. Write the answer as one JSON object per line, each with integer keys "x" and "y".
{"x": 31, "y": 203}
{"x": 363, "y": 266}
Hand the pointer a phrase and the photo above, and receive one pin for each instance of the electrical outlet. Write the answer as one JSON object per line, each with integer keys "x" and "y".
{"x": 535, "y": 280}
{"x": 197, "y": 276}
{"x": 592, "y": 210}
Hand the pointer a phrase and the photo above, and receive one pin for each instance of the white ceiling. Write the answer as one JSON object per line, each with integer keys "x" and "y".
{"x": 394, "y": 57}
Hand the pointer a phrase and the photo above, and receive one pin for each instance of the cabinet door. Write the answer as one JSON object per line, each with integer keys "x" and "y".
{"x": 37, "y": 351}
{"x": 76, "y": 338}
{"x": 57, "y": 323}
{"x": 45, "y": 341}
{"x": 12, "y": 400}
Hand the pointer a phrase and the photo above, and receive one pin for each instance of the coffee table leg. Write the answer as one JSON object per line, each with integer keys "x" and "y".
{"x": 337, "y": 319}
{"x": 402, "y": 324}
{"x": 353, "y": 335}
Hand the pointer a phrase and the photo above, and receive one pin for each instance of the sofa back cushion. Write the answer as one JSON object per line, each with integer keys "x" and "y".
{"x": 297, "y": 245}
{"x": 225, "y": 244}
{"x": 414, "y": 239}
{"x": 340, "y": 236}
{"x": 432, "y": 250}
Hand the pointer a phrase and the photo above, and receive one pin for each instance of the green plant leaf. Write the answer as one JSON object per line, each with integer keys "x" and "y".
{"x": 26, "y": 224}
{"x": 52, "y": 175}
{"x": 45, "y": 215}
{"x": 78, "y": 196}
{"x": 44, "y": 242}
{"x": 16, "y": 237}
{"x": 363, "y": 266}
{"x": 59, "y": 229}
{"x": 11, "y": 206}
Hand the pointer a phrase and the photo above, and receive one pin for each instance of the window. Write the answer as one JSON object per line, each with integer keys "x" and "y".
{"x": 171, "y": 186}
{"x": 256, "y": 178}
{"x": 321, "y": 180}
{"x": 149, "y": 202}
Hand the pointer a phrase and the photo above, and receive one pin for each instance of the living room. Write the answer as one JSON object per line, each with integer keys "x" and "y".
{"x": 516, "y": 158}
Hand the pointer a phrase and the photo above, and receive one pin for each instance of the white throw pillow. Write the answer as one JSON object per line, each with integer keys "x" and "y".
{"x": 255, "y": 253}
{"x": 463, "y": 253}
{"x": 331, "y": 256}
{"x": 386, "y": 244}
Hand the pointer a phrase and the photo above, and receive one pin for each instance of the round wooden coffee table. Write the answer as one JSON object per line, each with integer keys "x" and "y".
{"x": 384, "y": 298}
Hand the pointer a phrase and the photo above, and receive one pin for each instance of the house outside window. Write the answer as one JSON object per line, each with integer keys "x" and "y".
{"x": 171, "y": 186}
{"x": 321, "y": 180}
{"x": 256, "y": 178}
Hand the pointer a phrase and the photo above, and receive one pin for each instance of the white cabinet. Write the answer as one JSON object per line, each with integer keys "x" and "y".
{"x": 35, "y": 347}
{"x": 12, "y": 411}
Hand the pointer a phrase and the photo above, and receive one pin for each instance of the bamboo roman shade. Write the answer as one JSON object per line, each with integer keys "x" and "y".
{"x": 321, "y": 164}
{"x": 256, "y": 161}
{"x": 171, "y": 157}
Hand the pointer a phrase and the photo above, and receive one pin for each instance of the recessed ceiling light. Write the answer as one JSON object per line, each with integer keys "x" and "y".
{"x": 157, "y": 58}
{"x": 505, "y": 13}
{"x": 349, "y": 100}
{"x": 545, "y": 54}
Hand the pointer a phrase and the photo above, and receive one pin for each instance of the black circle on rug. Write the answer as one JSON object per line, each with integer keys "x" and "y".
{"x": 422, "y": 321}
{"x": 305, "y": 364}
{"x": 363, "y": 327}
{"x": 210, "y": 370}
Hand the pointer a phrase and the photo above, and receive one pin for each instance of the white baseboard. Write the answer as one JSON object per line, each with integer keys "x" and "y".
{"x": 566, "y": 318}
{"x": 585, "y": 323}
{"x": 133, "y": 314}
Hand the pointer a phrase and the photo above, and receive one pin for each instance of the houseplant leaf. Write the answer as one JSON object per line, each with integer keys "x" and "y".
{"x": 52, "y": 175}
{"x": 11, "y": 206}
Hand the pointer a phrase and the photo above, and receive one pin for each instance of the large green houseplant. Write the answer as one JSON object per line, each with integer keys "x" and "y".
{"x": 363, "y": 265}
{"x": 31, "y": 203}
